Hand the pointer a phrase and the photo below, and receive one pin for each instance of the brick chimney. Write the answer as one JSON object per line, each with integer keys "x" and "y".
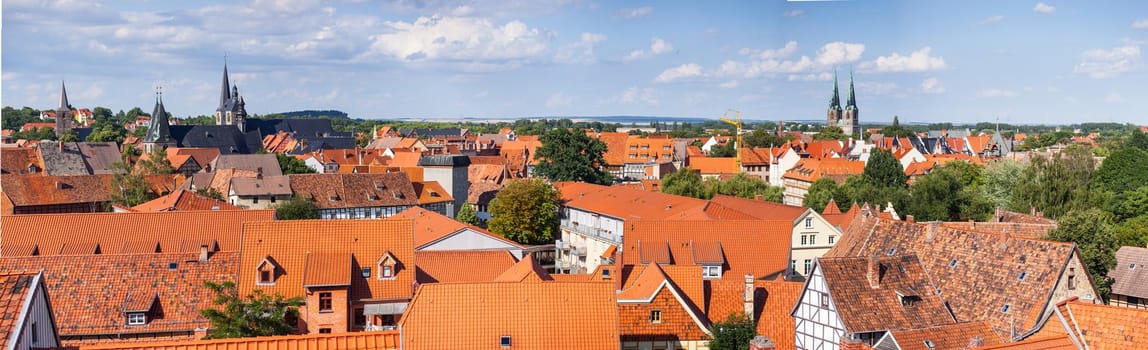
{"x": 761, "y": 343}
{"x": 910, "y": 218}
{"x": 259, "y": 173}
{"x": 976, "y": 342}
{"x": 931, "y": 231}
{"x": 873, "y": 273}
{"x": 747, "y": 297}
{"x": 203, "y": 253}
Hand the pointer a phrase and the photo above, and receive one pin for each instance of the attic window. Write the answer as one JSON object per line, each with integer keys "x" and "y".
{"x": 1004, "y": 309}
{"x": 656, "y": 316}
{"x": 172, "y": 265}
{"x": 380, "y": 186}
{"x": 504, "y": 341}
{"x": 137, "y": 319}
{"x": 953, "y": 263}
{"x": 434, "y": 194}
{"x": 333, "y": 197}
{"x": 366, "y": 272}
{"x": 929, "y": 344}
{"x": 386, "y": 267}
{"x": 606, "y": 274}
{"x": 1022, "y": 275}
{"x": 372, "y": 197}
{"x": 711, "y": 271}
{"x": 891, "y": 251}
{"x": 1132, "y": 266}
{"x": 398, "y": 195}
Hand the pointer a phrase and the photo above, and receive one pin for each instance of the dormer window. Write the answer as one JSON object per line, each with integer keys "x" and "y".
{"x": 366, "y": 272}
{"x": 711, "y": 271}
{"x": 387, "y": 266}
{"x": 605, "y": 274}
{"x": 137, "y": 319}
{"x": 266, "y": 272}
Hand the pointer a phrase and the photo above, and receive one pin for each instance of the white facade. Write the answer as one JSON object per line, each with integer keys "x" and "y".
{"x": 818, "y": 326}
{"x": 787, "y": 160}
{"x": 468, "y": 239}
{"x": 794, "y": 191}
{"x": 313, "y": 163}
{"x": 913, "y": 156}
{"x": 812, "y": 238}
{"x": 709, "y": 144}
{"x": 585, "y": 237}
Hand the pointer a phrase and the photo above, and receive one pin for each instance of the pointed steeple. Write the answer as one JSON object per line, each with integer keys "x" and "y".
{"x": 224, "y": 94}
{"x": 160, "y": 130}
{"x": 852, "y": 103}
{"x": 63, "y": 98}
{"x": 835, "y": 102}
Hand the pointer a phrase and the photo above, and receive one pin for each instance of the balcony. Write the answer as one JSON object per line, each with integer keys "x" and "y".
{"x": 592, "y": 232}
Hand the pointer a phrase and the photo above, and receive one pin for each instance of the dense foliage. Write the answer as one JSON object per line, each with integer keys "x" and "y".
{"x": 733, "y": 334}
{"x": 128, "y": 188}
{"x": 687, "y": 182}
{"x": 254, "y": 315}
{"x": 291, "y": 165}
{"x": 567, "y": 155}
{"x": 526, "y": 211}
{"x": 831, "y": 133}
{"x": 467, "y": 215}
{"x": 296, "y": 208}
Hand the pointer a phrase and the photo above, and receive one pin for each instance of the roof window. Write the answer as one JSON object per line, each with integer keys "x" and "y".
{"x": 1022, "y": 275}
{"x": 891, "y": 251}
{"x": 1132, "y": 266}
{"x": 172, "y": 265}
{"x": 504, "y": 341}
{"x": 1004, "y": 309}
{"x": 953, "y": 263}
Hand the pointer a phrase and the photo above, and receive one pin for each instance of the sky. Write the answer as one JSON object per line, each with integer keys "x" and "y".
{"x": 1030, "y": 62}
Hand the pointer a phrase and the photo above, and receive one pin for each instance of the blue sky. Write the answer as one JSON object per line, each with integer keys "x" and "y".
{"x": 961, "y": 61}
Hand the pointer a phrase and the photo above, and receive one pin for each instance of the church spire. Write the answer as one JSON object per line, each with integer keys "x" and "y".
{"x": 63, "y": 98}
{"x": 224, "y": 93}
{"x": 852, "y": 103}
{"x": 835, "y": 102}
{"x": 160, "y": 130}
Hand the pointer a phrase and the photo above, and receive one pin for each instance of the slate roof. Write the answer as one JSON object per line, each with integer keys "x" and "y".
{"x": 953, "y": 336}
{"x": 356, "y": 243}
{"x": 92, "y": 290}
{"x": 376, "y": 340}
{"x": 115, "y": 233}
{"x": 757, "y": 247}
{"x": 301, "y": 128}
{"x": 986, "y": 274}
{"x": 14, "y": 290}
{"x": 446, "y": 266}
{"x": 470, "y": 316}
{"x": 226, "y": 138}
{"x": 329, "y": 191}
{"x": 444, "y": 160}
{"x": 17, "y": 160}
{"x": 47, "y": 190}
{"x": 1130, "y": 275}
{"x": 249, "y": 162}
{"x": 896, "y": 277}
{"x": 78, "y": 158}
{"x": 183, "y": 200}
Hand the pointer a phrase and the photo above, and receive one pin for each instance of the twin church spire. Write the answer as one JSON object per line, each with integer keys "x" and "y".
{"x": 846, "y": 118}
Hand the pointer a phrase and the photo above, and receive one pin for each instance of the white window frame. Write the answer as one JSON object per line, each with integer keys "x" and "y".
{"x": 137, "y": 319}
{"x": 711, "y": 271}
{"x": 808, "y": 222}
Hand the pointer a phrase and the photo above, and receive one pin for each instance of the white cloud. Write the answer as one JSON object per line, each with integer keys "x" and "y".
{"x": 823, "y": 76}
{"x": 1099, "y": 64}
{"x": 794, "y": 13}
{"x": 994, "y": 93}
{"x": 917, "y": 61}
{"x": 657, "y": 47}
{"x": 729, "y": 84}
{"x": 878, "y": 88}
{"x": 932, "y": 85}
{"x": 839, "y": 52}
{"x": 636, "y": 95}
{"x": 635, "y": 13}
{"x": 1113, "y": 97}
{"x": 685, "y": 71}
{"x": 581, "y": 51}
{"x": 991, "y": 20}
{"x": 768, "y": 54}
{"x": 459, "y": 38}
{"x": 1140, "y": 24}
{"x": 1044, "y": 8}
{"x": 559, "y": 100}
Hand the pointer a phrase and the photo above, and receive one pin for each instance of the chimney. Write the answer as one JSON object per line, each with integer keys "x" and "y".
{"x": 910, "y": 218}
{"x": 976, "y": 342}
{"x": 761, "y": 343}
{"x": 1033, "y": 211}
{"x": 748, "y": 296}
{"x": 61, "y": 144}
{"x": 758, "y": 198}
{"x": 203, "y": 253}
{"x": 931, "y": 232}
{"x": 873, "y": 273}
{"x": 259, "y": 173}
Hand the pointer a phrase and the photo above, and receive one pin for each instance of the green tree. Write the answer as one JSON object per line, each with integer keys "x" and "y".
{"x": 1001, "y": 178}
{"x": 467, "y": 215}
{"x": 70, "y": 136}
{"x": 944, "y": 196}
{"x": 254, "y": 315}
{"x": 733, "y": 334}
{"x": 685, "y": 182}
{"x": 831, "y": 133}
{"x": 567, "y": 155}
{"x": 1138, "y": 139}
{"x": 1130, "y": 204}
{"x": 156, "y": 164}
{"x": 741, "y": 185}
{"x": 292, "y": 165}
{"x": 1124, "y": 170}
{"x": 1056, "y": 185}
{"x": 296, "y": 208}
{"x": 525, "y": 211}
{"x": 1132, "y": 232}
{"x": 723, "y": 150}
{"x": 762, "y": 138}
{"x": 1091, "y": 230}
{"x": 884, "y": 170}
{"x": 820, "y": 192}
{"x": 896, "y": 130}
{"x": 107, "y": 131}
{"x": 127, "y": 188}
{"x": 210, "y": 192}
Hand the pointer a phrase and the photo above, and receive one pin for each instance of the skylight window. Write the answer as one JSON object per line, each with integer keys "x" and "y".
{"x": 1022, "y": 275}
{"x": 892, "y": 251}
{"x": 1004, "y": 309}
{"x": 953, "y": 263}
{"x": 504, "y": 341}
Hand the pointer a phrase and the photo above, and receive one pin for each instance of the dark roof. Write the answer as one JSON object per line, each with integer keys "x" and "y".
{"x": 424, "y": 133}
{"x": 313, "y": 144}
{"x": 227, "y": 138}
{"x": 268, "y": 163}
{"x": 444, "y": 160}
{"x": 279, "y": 185}
{"x": 1131, "y": 272}
{"x": 302, "y": 128}
{"x": 329, "y": 191}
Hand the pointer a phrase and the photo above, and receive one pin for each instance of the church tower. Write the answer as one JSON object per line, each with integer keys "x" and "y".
{"x": 851, "y": 120}
{"x": 159, "y": 134}
{"x": 231, "y": 109}
{"x": 63, "y": 113}
{"x": 833, "y": 116}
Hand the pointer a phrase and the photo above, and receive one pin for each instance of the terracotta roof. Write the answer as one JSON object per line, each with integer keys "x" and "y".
{"x": 274, "y": 185}
{"x": 1130, "y": 275}
{"x": 182, "y": 200}
{"x": 883, "y": 283}
{"x": 978, "y": 144}
{"x": 14, "y": 291}
{"x": 431, "y": 227}
{"x": 824, "y": 149}
{"x": 715, "y": 165}
{"x": 773, "y": 319}
{"x": 487, "y": 173}
{"x": 444, "y": 266}
{"x": 351, "y": 156}
{"x": 1054, "y": 342}
{"x": 760, "y": 209}
{"x": 168, "y": 232}
{"x": 646, "y": 150}
{"x": 628, "y": 203}
{"x": 472, "y": 312}
{"x": 430, "y": 192}
{"x": 93, "y": 290}
{"x": 17, "y": 161}
{"x": 838, "y": 169}
{"x": 954, "y": 336}
{"x": 384, "y": 340}
{"x": 831, "y": 208}
{"x": 757, "y": 247}
{"x": 1104, "y": 326}
{"x": 680, "y": 317}
{"x": 615, "y": 146}
{"x": 47, "y": 190}
{"x": 525, "y": 270}
{"x": 1027, "y": 231}
{"x": 328, "y": 191}
{"x": 344, "y": 243}
{"x": 758, "y": 156}
{"x": 985, "y": 276}
{"x": 202, "y": 156}
{"x": 842, "y": 220}
{"x": 1021, "y": 218}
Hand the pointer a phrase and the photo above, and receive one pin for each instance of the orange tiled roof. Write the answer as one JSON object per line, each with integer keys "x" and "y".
{"x": 758, "y": 156}
{"x": 430, "y": 192}
{"x": 1052, "y": 342}
{"x": 831, "y": 208}
{"x": 898, "y": 276}
{"x": 954, "y": 336}
{"x": 328, "y": 191}
{"x": 628, "y": 203}
{"x": 167, "y": 232}
{"x": 384, "y": 340}
{"x": 985, "y": 277}
{"x": 757, "y": 247}
{"x": 90, "y": 291}
{"x": 468, "y": 316}
{"x": 773, "y": 319}
{"x": 327, "y": 269}
{"x": 680, "y": 318}
{"x": 183, "y": 200}
{"x": 62, "y": 189}
{"x": 406, "y": 159}
{"x": 362, "y": 242}
{"x": 444, "y": 266}
{"x": 715, "y": 165}
{"x": 648, "y": 149}
{"x": 979, "y": 144}
{"x": 1104, "y": 326}
{"x": 17, "y": 161}
{"x": 615, "y": 147}
{"x": 809, "y": 170}
{"x": 14, "y": 289}
{"x": 525, "y": 270}
{"x": 431, "y": 227}
{"x": 760, "y": 209}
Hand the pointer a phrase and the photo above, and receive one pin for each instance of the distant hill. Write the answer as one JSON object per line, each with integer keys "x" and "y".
{"x": 334, "y": 114}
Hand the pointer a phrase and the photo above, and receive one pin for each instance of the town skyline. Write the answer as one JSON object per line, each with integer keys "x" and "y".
{"x": 1021, "y": 62}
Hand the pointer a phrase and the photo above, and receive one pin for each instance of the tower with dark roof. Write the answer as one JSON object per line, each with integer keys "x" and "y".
{"x": 159, "y": 134}
{"x": 850, "y": 121}
{"x": 833, "y": 115}
{"x": 232, "y": 109}
{"x": 63, "y": 113}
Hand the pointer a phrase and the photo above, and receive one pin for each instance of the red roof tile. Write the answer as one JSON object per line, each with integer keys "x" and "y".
{"x": 714, "y": 165}
{"x": 954, "y": 336}
{"x": 757, "y": 247}
{"x": 444, "y": 266}
{"x": 18, "y": 160}
{"x": 183, "y": 200}
{"x": 1054, "y": 342}
{"x": 882, "y": 282}
{"x": 326, "y": 269}
{"x": 773, "y": 319}
{"x": 385, "y": 340}
{"x": 329, "y": 191}
{"x": 525, "y": 270}
{"x": 431, "y": 227}
{"x": 1104, "y": 326}
{"x": 48, "y": 190}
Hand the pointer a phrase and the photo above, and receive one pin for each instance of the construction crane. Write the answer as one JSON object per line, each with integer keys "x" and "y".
{"x": 736, "y": 122}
